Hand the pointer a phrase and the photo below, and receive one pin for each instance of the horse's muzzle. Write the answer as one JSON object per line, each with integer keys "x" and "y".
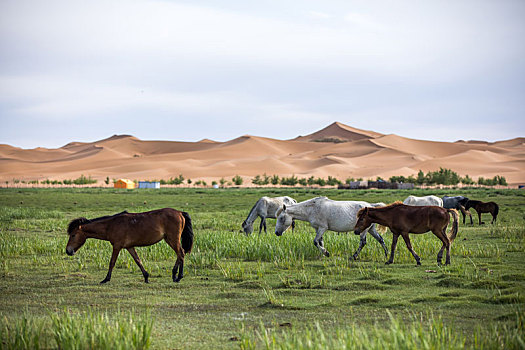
{"x": 70, "y": 251}
{"x": 278, "y": 233}
{"x": 357, "y": 232}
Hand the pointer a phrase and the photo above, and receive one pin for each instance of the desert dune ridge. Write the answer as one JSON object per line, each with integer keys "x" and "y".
{"x": 338, "y": 150}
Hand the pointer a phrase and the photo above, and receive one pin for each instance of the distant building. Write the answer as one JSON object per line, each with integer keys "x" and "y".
{"x": 124, "y": 183}
{"x": 354, "y": 185}
{"x": 149, "y": 184}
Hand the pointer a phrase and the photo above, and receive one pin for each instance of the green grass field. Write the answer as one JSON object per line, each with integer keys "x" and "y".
{"x": 261, "y": 291}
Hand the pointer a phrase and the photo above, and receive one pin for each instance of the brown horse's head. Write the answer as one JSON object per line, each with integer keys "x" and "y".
{"x": 363, "y": 221}
{"x": 77, "y": 237}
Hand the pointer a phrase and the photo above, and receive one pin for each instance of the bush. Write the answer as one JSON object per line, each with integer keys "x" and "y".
{"x": 82, "y": 180}
{"x": 467, "y": 180}
{"x": 332, "y": 181}
{"x": 173, "y": 181}
{"x": 289, "y": 181}
{"x": 237, "y": 180}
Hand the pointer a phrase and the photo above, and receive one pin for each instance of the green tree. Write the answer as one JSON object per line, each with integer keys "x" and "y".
{"x": 237, "y": 180}
{"x": 289, "y": 181}
{"x": 257, "y": 180}
{"x": 467, "y": 180}
{"x": 420, "y": 180}
{"x": 332, "y": 181}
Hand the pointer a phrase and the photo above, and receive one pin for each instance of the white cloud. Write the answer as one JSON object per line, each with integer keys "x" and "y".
{"x": 322, "y": 15}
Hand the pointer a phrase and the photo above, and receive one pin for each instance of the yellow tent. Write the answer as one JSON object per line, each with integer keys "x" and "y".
{"x": 124, "y": 183}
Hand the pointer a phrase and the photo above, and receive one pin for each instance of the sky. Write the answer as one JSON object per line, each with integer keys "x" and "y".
{"x": 187, "y": 70}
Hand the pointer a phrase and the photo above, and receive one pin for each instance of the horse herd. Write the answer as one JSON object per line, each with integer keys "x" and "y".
{"x": 415, "y": 215}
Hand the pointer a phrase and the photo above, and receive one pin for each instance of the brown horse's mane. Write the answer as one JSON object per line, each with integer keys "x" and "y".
{"x": 75, "y": 223}
{"x": 395, "y": 204}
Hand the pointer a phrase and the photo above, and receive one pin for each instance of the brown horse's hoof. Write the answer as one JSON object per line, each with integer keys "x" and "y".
{"x": 104, "y": 281}
{"x": 388, "y": 262}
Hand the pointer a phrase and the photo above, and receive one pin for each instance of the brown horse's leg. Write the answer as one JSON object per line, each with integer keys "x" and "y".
{"x": 392, "y": 249}
{"x": 178, "y": 269}
{"x": 406, "y": 238}
{"x": 446, "y": 244}
{"x": 479, "y": 217}
{"x": 114, "y": 257}
{"x": 139, "y": 263}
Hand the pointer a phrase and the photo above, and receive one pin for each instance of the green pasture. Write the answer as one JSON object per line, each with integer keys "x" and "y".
{"x": 261, "y": 291}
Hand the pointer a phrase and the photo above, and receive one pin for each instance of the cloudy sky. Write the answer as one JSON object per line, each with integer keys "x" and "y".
{"x": 187, "y": 70}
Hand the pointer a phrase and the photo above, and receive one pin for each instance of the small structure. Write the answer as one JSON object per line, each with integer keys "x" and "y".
{"x": 124, "y": 183}
{"x": 149, "y": 184}
{"x": 381, "y": 184}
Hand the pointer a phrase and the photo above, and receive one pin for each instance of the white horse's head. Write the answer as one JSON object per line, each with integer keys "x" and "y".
{"x": 284, "y": 221}
{"x": 247, "y": 228}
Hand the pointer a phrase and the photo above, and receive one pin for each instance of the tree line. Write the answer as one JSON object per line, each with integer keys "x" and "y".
{"x": 442, "y": 176}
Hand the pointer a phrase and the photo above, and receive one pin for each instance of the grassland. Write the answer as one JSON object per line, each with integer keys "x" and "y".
{"x": 261, "y": 291}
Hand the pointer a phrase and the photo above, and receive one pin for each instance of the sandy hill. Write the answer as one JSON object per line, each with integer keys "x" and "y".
{"x": 337, "y": 150}
{"x": 338, "y": 132}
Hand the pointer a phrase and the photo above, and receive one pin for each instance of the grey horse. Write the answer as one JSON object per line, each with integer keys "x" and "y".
{"x": 458, "y": 203}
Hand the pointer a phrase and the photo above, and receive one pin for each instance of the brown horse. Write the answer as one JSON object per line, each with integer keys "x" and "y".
{"x": 130, "y": 230}
{"x": 483, "y": 207}
{"x": 404, "y": 219}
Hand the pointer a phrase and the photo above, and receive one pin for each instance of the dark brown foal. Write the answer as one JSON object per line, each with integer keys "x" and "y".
{"x": 404, "y": 219}
{"x": 484, "y": 207}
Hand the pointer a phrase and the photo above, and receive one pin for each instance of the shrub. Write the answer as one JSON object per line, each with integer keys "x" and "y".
{"x": 289, "y": 181}
{"x": 237, "y": 180}
{"x": 82, "y": 180}
{"x": 332, "y": 181}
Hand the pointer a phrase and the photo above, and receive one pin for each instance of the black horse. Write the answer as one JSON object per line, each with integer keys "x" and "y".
{"x": 458, "y": 203}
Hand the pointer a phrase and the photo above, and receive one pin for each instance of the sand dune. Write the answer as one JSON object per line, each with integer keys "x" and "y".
{"x": 337, "y": 150}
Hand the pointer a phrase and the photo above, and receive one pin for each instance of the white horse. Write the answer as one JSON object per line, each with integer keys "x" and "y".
{"x": 265, "y": 207}
{"x": 325, "y": 214}
{"x": 422, "y": 201}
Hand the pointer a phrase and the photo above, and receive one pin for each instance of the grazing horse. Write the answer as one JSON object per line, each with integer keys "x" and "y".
{"x": 130, "y": 230}
{"x": 404, "y": 219}
{"x": 265, "y": 207}
{"x": 325, "y": 214}
{"x": 458, "y": 203}
{"x": 483, "y": 207}
{"x": 421, "y": 201}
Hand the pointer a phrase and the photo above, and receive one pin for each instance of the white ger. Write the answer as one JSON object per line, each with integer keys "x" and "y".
{"x": 326, "y": 214}
{"x": 265, "y": 207}
{"x": 422, "y": 201}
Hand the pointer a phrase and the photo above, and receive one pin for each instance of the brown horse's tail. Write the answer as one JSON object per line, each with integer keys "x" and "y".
{"x": 454, "y": 229}
{"x": 187, "y": 234}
